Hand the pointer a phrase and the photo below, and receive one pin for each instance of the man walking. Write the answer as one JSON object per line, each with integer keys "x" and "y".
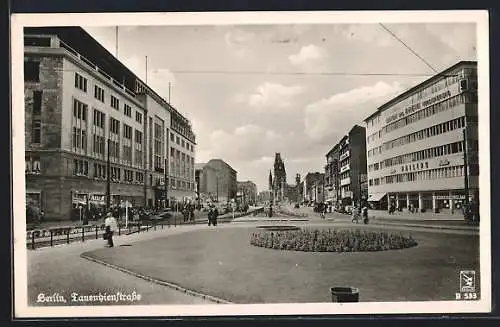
{"x": 111, "y": 226}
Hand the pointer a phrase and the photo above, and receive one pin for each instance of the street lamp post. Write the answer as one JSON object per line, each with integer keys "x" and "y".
{"x": 466, "y": 168}
{"x": 108, "y": 179}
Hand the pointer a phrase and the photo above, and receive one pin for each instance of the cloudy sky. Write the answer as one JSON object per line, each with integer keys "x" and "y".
{"x": 254, "y": 90}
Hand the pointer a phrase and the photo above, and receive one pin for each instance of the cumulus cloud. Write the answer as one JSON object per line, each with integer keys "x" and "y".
{"x": 460, "y": 38}
{"x": 306, "y": 55}
{"x": 272, "y": 96}
{"x": 158, "y": 78}
{"x": 333, "y": 116}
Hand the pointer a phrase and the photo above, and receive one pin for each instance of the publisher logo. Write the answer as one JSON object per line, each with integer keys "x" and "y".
{"x": 467, "y": 281}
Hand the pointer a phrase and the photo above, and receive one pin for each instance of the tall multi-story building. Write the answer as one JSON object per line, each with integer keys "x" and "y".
{"x": 423, "y": 144}
{"x": 345, "y": 170}
{"x": 218, "y": 181}
{"x": 332, "y": 175}
{"x": 247, "y": 192}
{"x": 89, "y": 119}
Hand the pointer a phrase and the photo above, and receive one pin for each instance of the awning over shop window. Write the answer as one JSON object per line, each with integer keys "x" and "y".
{"x": 375, "y": 197}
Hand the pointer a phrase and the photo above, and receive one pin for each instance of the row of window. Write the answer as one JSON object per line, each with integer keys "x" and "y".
{"x": 424, "y": 113}
{"x": 81, "y": 84}
{"x": 444, "y": 82}
{"x": 446, "y": 149}
{"x": 183, "y": 185}
{"x": 419, "y": 135}
{"x": 431, "y": 174}
{"x": 430, "y": 111}
{"x": 181, "y": 142}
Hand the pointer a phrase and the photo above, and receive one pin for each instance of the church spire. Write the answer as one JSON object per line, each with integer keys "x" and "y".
{"x": 270, "y": 181}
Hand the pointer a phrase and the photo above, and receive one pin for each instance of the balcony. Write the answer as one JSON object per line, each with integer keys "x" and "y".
{"x": 344, "y": 168}
{"x": 344, "y": 155}
{"x": 345, "y": 181}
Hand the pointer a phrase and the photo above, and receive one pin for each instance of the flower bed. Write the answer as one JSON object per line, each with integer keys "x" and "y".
{"x": 332, "y": 240}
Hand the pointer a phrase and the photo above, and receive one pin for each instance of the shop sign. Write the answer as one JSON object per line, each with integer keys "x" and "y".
{"x": 444, "y": 162}
{"x": 419, "y": 105}
{"x": 448, "y": 197}
{"x": 97, "y": 197}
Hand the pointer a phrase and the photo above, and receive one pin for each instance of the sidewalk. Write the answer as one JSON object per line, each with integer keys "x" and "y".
{"x": 405, "y": 215}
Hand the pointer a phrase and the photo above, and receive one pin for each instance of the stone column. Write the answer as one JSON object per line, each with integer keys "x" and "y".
{"x": 434, "y": 204}
{"x": 452, "y": 203}
{"x": 388, "y": 201}
{"x": 407, "y": 200}
{"x": 420, "y": 200}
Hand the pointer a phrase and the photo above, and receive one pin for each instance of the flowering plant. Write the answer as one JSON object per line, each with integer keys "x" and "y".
{"x": 332, "y": 240}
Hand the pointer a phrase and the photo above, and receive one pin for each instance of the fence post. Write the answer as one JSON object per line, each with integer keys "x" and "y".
{"x": 67, "y": 236}
{"x": 51, "y": 234}
{"x": 138, "y": 228}
{"x": 83, "y": 234}
{"x": 119, "y": 230}
{"x": 175, "y": 221}
{"x": 96, "y": 232}
{"x": 32, "y": 240}
{"x": 129, "y": 228}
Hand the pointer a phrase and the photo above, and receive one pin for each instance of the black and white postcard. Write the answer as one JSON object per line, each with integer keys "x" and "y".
{"x": 251, "y": 163}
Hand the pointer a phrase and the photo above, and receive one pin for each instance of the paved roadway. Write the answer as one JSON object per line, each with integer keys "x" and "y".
{"x": 61, "y": 269}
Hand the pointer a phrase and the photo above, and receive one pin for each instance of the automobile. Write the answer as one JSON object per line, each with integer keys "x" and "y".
{"x": 348, "y": 209}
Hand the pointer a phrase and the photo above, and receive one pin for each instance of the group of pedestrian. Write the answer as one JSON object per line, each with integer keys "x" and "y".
{"x": 188, "y": 212}
{"x": 213, "y": 213}
{"x": 358, "y": 212}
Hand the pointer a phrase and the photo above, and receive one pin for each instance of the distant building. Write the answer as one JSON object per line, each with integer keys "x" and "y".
{"x": 332, "y": 176}
{"x": 218, "y": 181}
{"x": 247, "y": 192}
{"x": 292, "y": 193}
{"x": 314, "y": 188}
{"x": 264, "y": 197}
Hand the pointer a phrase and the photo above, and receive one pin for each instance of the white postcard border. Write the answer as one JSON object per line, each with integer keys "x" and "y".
{"x": 22, "y": 310}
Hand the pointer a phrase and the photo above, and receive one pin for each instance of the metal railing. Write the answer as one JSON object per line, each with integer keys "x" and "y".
{"x": 69, "y": 234}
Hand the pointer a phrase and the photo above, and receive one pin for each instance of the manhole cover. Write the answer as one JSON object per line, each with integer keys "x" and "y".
{"x": 279, "y": 228}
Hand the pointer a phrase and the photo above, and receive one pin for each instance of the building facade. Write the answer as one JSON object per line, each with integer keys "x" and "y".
{"x": 247, "y": 192}
{"x": 345, "y": 170}
{"x": 314, "y": 187}
{"x": 264, "y": 197}
{"x": 422, "y": 146}
{"x": 332, "y": 176}
{"x": 218, "y": 181}
{"x": 89, "y": 120}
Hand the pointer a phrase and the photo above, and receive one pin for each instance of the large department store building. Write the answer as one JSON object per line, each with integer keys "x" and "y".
{"x": 83, "y": 106}
{"x": 422, "y": 146}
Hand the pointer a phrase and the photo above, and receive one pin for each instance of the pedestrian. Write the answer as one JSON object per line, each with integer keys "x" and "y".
{"x": 365, "y": 215}
{"x": 111, "y": 226}
{"x": 215, "y": 214}
{"x": 210, "y": 215}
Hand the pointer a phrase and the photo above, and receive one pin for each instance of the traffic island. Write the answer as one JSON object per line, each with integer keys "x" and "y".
{"x": 222, "y": 263}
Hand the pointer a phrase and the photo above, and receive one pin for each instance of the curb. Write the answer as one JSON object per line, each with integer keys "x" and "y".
{"x": 157, "y": 281}
{"x": 426, "y": 226}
